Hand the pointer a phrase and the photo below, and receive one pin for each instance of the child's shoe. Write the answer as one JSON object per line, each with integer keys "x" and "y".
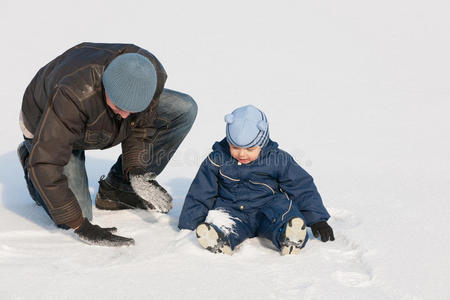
{"x": 213, "y": 239}
{"x": 293, "y": 236}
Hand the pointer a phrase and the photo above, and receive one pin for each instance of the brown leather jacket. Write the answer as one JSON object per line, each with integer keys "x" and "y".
{"x": 64, "y": 109}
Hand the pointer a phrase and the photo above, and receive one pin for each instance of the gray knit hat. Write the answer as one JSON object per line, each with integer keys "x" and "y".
{"x": 130, "y": 82}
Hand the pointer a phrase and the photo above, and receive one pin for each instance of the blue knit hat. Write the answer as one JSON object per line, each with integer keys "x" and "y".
{"x": 130, "y": 82}
{"x": 247, "y": 127}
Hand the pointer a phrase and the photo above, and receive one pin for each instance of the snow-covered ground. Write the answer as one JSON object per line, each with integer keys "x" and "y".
{"x": 357, "y": 91}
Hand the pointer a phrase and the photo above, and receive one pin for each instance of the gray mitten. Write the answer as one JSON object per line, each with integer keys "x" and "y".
{"x": 155, "y": 196}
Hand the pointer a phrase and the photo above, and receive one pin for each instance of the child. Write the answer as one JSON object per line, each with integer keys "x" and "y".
{"x": 248, "y": 187}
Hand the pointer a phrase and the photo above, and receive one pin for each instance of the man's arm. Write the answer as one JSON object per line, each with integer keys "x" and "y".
{"x": 136, "y": 149}
{"x": 60, "y": 125}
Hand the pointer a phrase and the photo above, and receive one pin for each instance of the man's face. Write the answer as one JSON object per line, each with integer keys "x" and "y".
{"x": 123, "y": 113}
{"x": 245, "y": 155}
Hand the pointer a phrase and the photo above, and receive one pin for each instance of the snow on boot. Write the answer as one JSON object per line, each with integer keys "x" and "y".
{"x": 293, "y": 236}
{"x": 212, "y": 239}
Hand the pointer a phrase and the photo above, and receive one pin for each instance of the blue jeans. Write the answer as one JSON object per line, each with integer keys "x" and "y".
{"x": 175, "y": 116}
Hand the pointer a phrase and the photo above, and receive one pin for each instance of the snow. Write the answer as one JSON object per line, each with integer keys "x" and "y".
{"x": 357, "y": 91}
{"x": 222, "y": 219}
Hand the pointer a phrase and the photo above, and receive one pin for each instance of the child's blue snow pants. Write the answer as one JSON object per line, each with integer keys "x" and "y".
{"x": 268, "y": 221}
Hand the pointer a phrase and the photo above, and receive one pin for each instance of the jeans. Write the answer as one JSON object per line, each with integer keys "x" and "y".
{"x": 175, "y": 115}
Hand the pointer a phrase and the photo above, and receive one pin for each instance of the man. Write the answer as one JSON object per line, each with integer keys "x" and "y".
{"x": 95, "y": 96}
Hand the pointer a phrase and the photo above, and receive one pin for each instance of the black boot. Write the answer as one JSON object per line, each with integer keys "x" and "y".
{"x": 22, "y": 153}
{"x": 111, "y": 198}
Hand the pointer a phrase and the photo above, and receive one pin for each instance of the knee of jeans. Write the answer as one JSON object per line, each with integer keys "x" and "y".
{"x": 190, "y": 108}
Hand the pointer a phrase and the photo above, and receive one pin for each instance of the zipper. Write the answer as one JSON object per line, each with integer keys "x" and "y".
{"x": 290, "y": 205}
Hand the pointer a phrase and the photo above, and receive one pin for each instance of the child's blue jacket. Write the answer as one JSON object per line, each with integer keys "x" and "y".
{"x": 221, "y": 182}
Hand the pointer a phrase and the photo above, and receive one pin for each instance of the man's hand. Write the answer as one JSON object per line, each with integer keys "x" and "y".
{"x": 155, "y": 196}
{"x": 96, "y": 235}
{"x": 324, "y": 230}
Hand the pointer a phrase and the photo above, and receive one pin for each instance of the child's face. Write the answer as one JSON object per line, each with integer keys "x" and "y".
{"x": 245, "y": 155}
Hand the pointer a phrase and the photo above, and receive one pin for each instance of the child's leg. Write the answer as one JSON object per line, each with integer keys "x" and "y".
{"x": 281, "y": 222}
{"x": 213, "y": 239}
{"x": 223, "y": 230}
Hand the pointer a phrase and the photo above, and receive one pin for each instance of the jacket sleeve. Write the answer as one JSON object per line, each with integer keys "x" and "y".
{"x": 136, "y": 148}
{"x": 60, "y": 125}
{"x": 300, "y": 187}
{"x": 201, "y": 196}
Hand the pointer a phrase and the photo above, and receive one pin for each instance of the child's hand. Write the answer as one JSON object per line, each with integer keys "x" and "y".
{"x": 324, "y": 230}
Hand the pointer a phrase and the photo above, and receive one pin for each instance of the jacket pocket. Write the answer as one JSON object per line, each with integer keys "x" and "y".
{"x": 269, "y": 213}
{"x": 228, "y": 177}
{"x": 262, "y": 174}
{"x": 262, "y": 185}
{"x": 228, "y": 182}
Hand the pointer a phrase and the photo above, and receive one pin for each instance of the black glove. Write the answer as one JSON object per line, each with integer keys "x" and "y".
{"x": 324, "y": 230}
{"x": 96, "y": 235}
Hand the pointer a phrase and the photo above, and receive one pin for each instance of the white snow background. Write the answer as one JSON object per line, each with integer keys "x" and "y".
{"x": 358, "y": 91}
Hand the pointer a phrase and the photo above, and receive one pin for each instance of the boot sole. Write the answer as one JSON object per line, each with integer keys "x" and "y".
{"x": 210, "y": 239}
{"x": 295, "y": 235}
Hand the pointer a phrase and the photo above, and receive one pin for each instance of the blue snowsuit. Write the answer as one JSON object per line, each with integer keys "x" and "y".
{"x": 261, "y": 196}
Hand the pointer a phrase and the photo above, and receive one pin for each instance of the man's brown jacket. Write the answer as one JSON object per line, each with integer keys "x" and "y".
{"x": 64, "y": 109}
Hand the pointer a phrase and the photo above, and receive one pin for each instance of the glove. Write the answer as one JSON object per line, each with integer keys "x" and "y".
{"x": 96, "y": 235}
{"x": 155, "y": 196}
{"x": 324, "y": 230}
